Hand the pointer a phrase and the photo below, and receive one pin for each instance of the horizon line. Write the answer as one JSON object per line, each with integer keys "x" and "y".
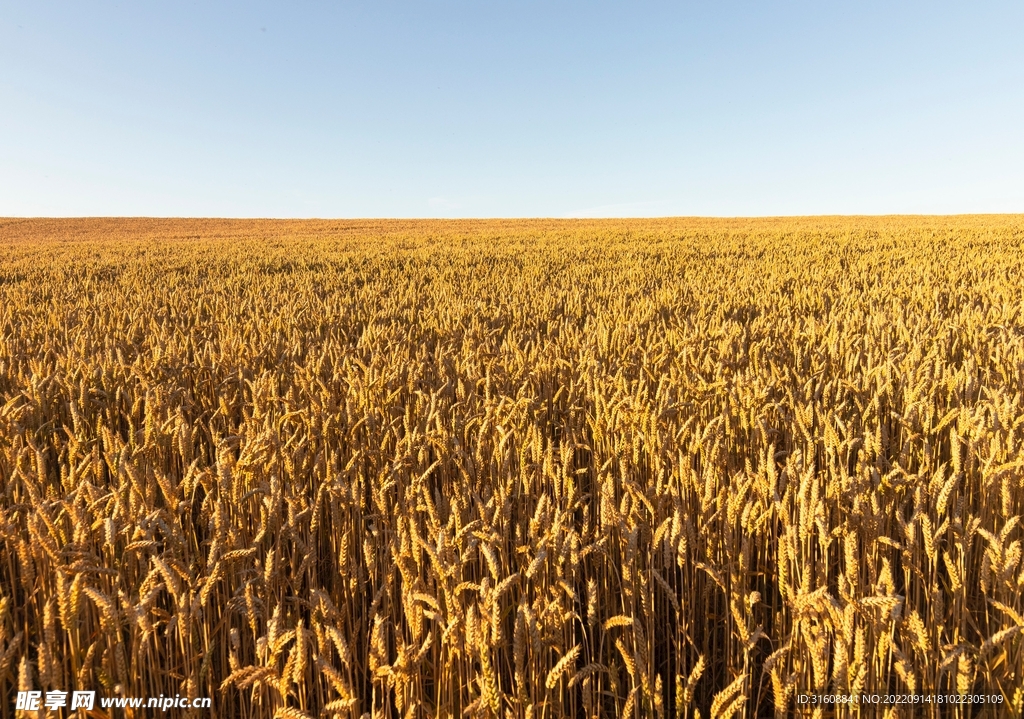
{"x": 492, "y": 218}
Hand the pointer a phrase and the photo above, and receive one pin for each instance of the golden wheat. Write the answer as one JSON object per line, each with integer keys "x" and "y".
{"x": 514, "y": 468}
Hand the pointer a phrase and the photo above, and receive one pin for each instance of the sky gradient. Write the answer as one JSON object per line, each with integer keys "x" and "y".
{"x": 500, "y": 109}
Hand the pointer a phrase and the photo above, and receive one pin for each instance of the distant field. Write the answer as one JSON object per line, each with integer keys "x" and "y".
{"x": 537, "y": 468}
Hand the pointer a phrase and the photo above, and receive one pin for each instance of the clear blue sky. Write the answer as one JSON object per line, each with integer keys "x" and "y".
{"x": 483, "y": 109}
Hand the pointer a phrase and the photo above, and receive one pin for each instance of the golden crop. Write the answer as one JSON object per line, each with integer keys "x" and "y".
{"x": 668, "y": 468}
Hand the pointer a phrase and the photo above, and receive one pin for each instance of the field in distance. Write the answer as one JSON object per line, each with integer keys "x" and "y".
{"x": 522, "y": 468}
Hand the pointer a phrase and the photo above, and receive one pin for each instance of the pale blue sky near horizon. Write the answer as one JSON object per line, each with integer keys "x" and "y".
{"x": 502, "y": 109}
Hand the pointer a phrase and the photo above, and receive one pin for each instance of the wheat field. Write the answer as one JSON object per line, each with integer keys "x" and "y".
{"x": 530, "y": 469}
